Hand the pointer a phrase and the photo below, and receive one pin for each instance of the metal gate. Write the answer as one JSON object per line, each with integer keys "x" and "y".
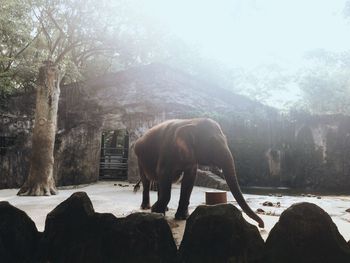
{"x": 114, "y": 155}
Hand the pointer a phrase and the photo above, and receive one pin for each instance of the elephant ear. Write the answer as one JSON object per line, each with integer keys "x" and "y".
{"x": 185, "y": 141}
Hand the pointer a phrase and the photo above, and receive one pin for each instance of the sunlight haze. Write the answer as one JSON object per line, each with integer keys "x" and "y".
{"x": 248, "y": 33}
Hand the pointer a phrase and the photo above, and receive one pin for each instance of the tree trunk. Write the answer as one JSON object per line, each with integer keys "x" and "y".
{"x": 40, "y": 180}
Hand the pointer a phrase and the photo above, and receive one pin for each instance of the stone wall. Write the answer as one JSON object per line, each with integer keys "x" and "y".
{"x": 15, "y": 158}
{"x": 134, "y": 100}
{"x": 297, "y": 151}
{"x": 270, "y": 149}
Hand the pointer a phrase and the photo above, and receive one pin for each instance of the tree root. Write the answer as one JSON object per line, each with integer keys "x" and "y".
{"x": 38, "y": 189}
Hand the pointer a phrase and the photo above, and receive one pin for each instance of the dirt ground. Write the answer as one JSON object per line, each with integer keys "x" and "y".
{"x": 119, "y": 199}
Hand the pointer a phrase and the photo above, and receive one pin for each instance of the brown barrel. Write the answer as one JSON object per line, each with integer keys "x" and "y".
{"x": 215, "y": 197}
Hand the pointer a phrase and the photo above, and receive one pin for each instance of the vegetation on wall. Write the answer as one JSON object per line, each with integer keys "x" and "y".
{"x": 85, "y": 38}
{"x": 90, "y": 38}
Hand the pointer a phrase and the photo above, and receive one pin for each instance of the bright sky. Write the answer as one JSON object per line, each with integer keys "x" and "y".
{"x": 251, "y": 32}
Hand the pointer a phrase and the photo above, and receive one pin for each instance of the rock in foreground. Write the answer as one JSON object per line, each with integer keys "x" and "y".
{"x": 75, "y": 233}
{"x": 306, "y": 234}
{"x": 18, "y": 235}
{"x": 220, "y": 234}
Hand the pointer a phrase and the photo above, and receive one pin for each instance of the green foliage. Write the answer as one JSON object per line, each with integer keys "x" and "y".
{"x": 85, "y": 38}
{"x": 261, "y": 82}
{"x": 325, "y": 83}
{"x": 17, "y": 32}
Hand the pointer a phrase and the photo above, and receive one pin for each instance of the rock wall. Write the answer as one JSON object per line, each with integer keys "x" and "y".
{"x": 15, "y": 132}
{"x": 74, "y": 232}
{"x": 270, "y": 149}
{"x": 299, "y": 151}
{"x": 135, "y": 100}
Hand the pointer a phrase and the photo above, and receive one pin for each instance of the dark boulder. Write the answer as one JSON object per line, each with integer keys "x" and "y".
{"x": 18, "y": 235}
{"x": 75, "y": 233}
{"x": 68, "y": 235}
{"x": 306, "y": 233}
{"x": 147, "y": 238}
{"x": 220, "y": 234}
{"x": 140, "y": 237}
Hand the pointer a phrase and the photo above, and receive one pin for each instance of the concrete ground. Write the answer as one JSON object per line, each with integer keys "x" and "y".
{"x": 119, "y": 199}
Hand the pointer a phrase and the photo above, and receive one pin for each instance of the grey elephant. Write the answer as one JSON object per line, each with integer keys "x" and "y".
{"x": 177, "y": 146}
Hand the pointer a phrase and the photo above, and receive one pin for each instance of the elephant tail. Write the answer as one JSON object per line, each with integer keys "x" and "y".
{"x": 137, "y": 186}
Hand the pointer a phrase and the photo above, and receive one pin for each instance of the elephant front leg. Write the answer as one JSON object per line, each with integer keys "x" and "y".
{"x": 164, "y": 193}
{"x": 185, "y": 194}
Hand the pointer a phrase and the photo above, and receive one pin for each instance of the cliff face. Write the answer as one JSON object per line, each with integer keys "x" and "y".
{"x": 270, "y": 149}
{"x": 293, "y": 151}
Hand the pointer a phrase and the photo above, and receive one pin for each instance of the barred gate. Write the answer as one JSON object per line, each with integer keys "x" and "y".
{"x": 114, "y": 155}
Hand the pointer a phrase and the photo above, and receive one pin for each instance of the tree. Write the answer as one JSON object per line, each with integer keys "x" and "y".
{"x": 17, "y": 35}
{"x": 70, "y": 33}
{"x": 40, "y": 180}
{"x": 48, "y": 42}
{"x": 325, "y": 83}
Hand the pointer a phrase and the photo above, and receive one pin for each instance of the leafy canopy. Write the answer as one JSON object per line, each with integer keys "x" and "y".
{"x": 84, "y": 37}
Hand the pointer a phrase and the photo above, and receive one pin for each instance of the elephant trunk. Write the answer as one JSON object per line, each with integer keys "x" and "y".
{"x": 227, "y": 164}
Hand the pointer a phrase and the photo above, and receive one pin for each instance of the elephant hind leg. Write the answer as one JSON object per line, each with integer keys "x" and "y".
{"x": 164, "y": 191}
{"x": 145, "y": 193}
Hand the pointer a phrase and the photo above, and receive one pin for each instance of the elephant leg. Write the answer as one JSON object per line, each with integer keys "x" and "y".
{"x": 156, "y": 185}
{"x": 164, "y": 193}
{"x": 145, "y": 193}
{"x": 186, "y": 190}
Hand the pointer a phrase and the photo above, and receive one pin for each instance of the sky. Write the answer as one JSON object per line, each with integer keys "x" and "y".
{"x": 250, "y": 33}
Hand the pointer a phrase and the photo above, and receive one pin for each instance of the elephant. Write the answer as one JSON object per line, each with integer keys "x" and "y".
{"x": 176, "y": 147}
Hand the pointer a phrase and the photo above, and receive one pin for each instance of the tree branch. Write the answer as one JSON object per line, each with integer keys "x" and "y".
{"x": 61, "y": 35}
{"x": 21, "y": 51}
{"x": 47, "y": 35}
{"x": 59, "y": 38}
{"x": 55, "y": 23}
{"x": 90, "y": 52}
{"x": 66, "y": 50}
